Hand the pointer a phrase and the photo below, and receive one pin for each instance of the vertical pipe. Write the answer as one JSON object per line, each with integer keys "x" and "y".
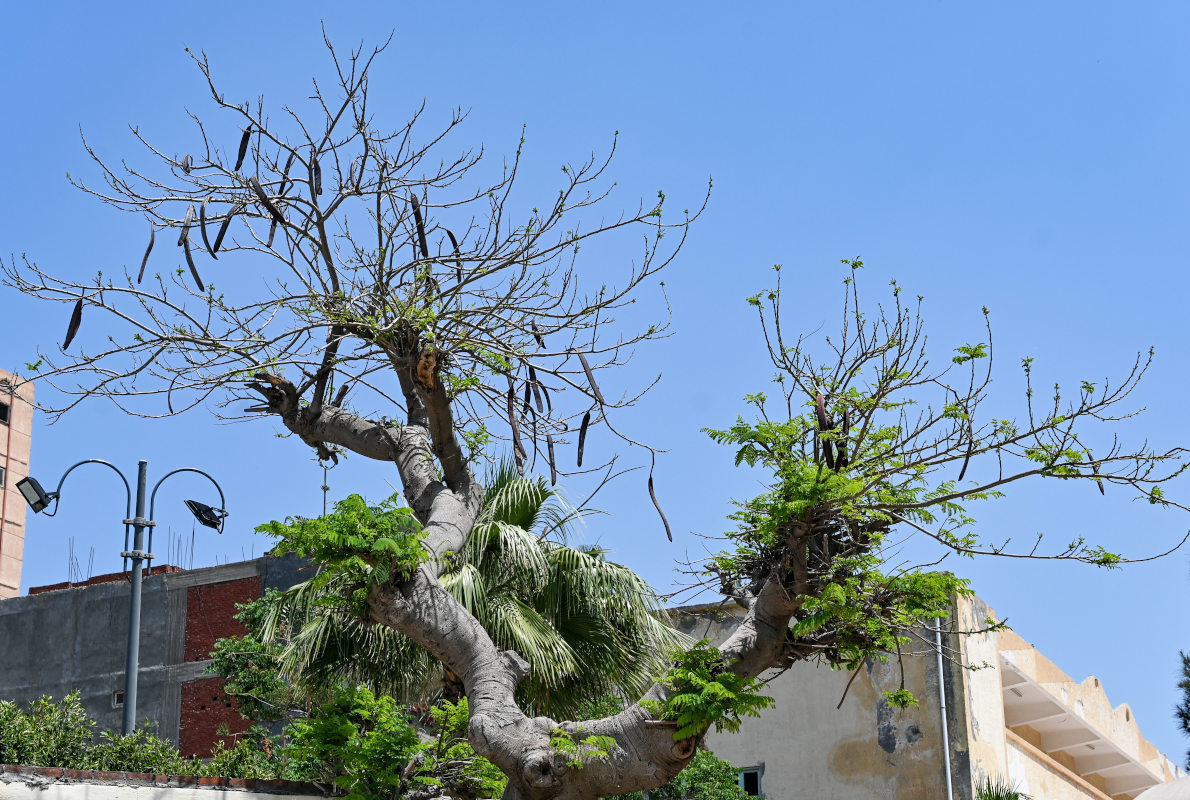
{"x": 942, "y": 703}
{"x": 131, "y": 664}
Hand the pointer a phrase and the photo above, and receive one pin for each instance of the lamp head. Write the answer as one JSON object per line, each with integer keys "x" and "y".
{"x": 37, "y": 498}
{"x": 207, "y": 515}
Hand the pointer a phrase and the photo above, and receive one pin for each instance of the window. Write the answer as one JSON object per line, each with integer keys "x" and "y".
{"x": 750, "y": 780}
{"x": 2, "y": 477}
{"x": 5, "y": 411}
{"x": 118, "y": 698}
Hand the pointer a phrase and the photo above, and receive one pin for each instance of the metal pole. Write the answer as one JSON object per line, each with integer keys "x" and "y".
{"x": 131, "y": 664}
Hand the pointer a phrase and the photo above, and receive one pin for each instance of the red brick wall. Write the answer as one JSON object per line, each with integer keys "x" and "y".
{"x": 205, "y": 708}
{"x": 210, "y": 614}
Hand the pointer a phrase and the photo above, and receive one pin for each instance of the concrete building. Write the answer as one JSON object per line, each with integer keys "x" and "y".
{"x": 1018, "y": 717}
{"x": 16, "y": 433}
{"x": 76, "y": 635}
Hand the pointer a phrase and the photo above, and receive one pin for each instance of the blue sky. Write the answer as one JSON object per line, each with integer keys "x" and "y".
{"x": 1027, "y": 157}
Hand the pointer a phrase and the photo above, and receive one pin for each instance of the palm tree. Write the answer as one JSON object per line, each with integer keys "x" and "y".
{"x": 587, "y": 626}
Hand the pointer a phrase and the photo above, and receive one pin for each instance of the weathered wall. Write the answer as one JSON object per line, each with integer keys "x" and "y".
{"x": 15, "y": 445}
{"x": 78, "y": 637}
{"x": 864, "y": 750}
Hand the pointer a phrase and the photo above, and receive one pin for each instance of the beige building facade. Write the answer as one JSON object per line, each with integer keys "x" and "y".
{"x": 16, "y": 433}
{"x": 1016, "y": 715}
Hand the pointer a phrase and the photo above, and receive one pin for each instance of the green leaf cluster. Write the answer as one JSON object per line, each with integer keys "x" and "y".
{"x": 704, "y": 692}
{"x": 578, "y": 750}
{"x": 370, "y": 544}
{"x": 706, "y": 777}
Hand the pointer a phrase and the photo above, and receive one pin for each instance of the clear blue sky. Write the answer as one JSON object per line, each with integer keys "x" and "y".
{"x": 1028, "y": 157}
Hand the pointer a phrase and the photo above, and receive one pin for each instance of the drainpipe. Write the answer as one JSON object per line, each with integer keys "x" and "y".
{"x": 7, "y": 478}
{"x": 942, "y": 704}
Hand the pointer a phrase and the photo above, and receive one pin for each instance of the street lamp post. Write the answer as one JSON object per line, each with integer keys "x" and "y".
{"x": 38, "y": 499}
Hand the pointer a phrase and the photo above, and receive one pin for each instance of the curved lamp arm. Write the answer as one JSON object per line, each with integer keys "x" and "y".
{"x": 153, "y": 497}
{"x": 57, "y": 495}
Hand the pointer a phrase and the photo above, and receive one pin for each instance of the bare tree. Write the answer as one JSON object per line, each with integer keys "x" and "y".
{"x": 416, "y": 319}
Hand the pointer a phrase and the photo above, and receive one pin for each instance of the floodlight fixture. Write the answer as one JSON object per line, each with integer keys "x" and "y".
{"x": 206, "y": 515}
{"x": 37, "y": 498}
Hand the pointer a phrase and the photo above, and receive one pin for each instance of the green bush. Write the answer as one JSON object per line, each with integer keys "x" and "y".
{"x": 140, "y": 751}
{"x": 48, "y": 734}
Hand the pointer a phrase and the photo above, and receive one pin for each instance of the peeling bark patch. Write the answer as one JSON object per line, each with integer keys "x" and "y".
{"x": 886, "y": 729}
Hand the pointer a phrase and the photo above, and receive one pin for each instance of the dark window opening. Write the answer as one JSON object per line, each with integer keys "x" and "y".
{"x": 2, "y": 476}
{"x": 5, "y": 412}
{"x": 750, "y": 781}
{"x": 118, "y": 698}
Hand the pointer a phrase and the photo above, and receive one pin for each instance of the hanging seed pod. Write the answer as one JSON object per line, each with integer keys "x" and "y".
{"x": 285, "y": 182}
{"x": 1098, "y": 481}
{"x": 549, "y": 406}
{"x": 820, "y": 411}
{"x": 582, "y": 436}
{"x": 526, "y": 407}
{"x": 657, "y": 506}
{"x": 223, "y": 227}
{"x": 264, "y": 200}
{"x": 152, "y": 237}
{"x": 421, "y": 226}
{"x": 76, "y": 319}
{"x": 841, "y": 458}
{"x": 184, "y": 236}
{"x": 315, "y": 172}
{"x": 272, "y": 233}
{"x": 971, "y": 449}
{"x": 193, "y": 269}
{"x": 549, "y": 444}
{"x": 537, "y": 335}
{"x": 187, "y": 163}
{"x": 458, "y": 260}
{"x": 590, "y": 377}
{"x": 536, "y": 391}
{"x": 202, "y": 226}
{"x": 517, "y": 447}
{"x": 243, "y": 148}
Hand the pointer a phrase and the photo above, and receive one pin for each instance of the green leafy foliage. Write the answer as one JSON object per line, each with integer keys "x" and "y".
{"x": 47, "y": 734}
{"x": 451, "y": 762}
{"x": 578, "y": 749}
{"x": 704, "y": 692}
{"x": 358, "y": 741}
{"x": 139, "y": 751}
{"x": 706, "y": 777}
{"x": 252, "y": 667}
{"x": 998, "y": 789}
{"x": 366, "y": 543}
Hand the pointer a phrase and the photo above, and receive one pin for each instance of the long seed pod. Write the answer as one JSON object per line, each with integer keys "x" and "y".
{"x": 549, "y": 444}
{"x": 223, "y": 227}
{"x": 590, "y": 377}
{"x": 657, "y": 506}
{"x": 841, "y": 458}
{"x": 315, "y": 173}
{"x": 458, "y": 259}
{"x": 971, "y": 449}
{"x": 536, "y": 391}
{"x": 264, "y": 199}
{"x": 517, "y": 447}
{"x": 421, "y": 226}
{"x": 528, "y": 390}
{"x": 202, "y": 226}
{"x": 76, "y": 319}
{"x": 285, "y": 182}
{"x": 152, "y": 238}
{"x": 187, "y": 163}
{"x": 582, "y": 436}
{"x": 549, "y": 406}
{"x": 1098, "y": 481}
{"x": 820, "y": 410}
{"x": 272, "y": 233}
{"x": 193, "y": 269}
{"x": 184, "y": 236}
{"x": 243, "y": 148}
{"x": 537, "y": 335}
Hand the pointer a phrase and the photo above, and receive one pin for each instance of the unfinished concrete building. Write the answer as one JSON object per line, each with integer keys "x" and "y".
{"x": 1022, "y": 718}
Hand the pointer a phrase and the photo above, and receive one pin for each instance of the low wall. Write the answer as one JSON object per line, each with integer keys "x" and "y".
{"x": 52, "y": 783}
